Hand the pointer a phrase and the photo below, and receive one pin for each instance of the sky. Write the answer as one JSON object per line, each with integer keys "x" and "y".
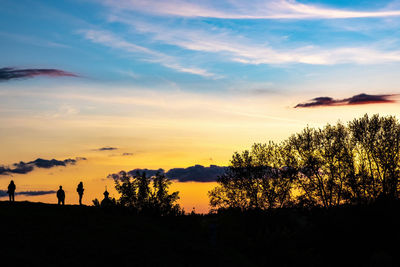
{"x": 176, "y": 83}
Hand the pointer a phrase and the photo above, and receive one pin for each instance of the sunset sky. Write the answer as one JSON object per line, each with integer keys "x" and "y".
{"x": 165, "y": 84}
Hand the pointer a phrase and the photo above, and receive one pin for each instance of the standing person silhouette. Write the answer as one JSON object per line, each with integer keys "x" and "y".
{"x": 61, "y": 196}
{"x": 11, "y": 191}
{"x": 80, "y": 192}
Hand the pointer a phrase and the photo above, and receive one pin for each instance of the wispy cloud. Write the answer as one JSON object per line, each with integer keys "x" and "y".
{"x": 4, "y": 193}
{"x": 243, "y": 50}
{"x": 13, "y": 73}
{"x": 237, "y": 9}
{"x": 111, "y": 40}
{"x": 32, "y": 40}
{"x": 361, "y": 99}
{"x": 107, "y": 148}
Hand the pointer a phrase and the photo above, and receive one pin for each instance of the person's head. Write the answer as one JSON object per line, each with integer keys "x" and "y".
{"x": 11, "y": 182}
{"x": 81, "y": 183}
{"x": 60, "y": 186}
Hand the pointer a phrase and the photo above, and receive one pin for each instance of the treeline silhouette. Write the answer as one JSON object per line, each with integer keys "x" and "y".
{"x": 353, "y": 163}
{"x": 323, "y": 197}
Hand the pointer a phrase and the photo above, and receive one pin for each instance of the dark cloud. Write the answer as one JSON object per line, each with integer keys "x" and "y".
{"x": 22, "y": 168}
{"x": 13, "y": 73}
{"x": 107, "y": 148}
{"x": 360, "y": 99}
{"x": 3, "y": 170}
{"x": 197, "y": 173}
{"x": 3, "y": 193}
{"x": 25, "y": 167}
{"x": 44, "y": 163}
{"x": 149, "y": 173}
{"x": 36, "y": 193}
{"x": 127, "y": 154}
{"x": 318, "y": 101}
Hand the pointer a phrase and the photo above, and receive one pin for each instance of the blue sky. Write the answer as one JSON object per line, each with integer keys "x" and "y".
{"x": 182, "y": 82}
{"x": 199, "y": 63}
{"x": 202, "y": 46}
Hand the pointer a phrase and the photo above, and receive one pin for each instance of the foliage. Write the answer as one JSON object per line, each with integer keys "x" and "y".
{"x": 377, "y": 141}
{"x": 254, "y": 180}
{"x": 146, "y": 194}
{"x": 338, "y": 164}
{"x": 96, "y": 202}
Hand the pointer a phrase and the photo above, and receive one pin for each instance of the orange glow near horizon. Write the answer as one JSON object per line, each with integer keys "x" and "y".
{"x": 180, "y": 130}
{"x": 192, "y": 194}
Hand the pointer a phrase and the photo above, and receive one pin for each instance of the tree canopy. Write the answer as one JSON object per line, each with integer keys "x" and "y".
{"x": 357, "y": 163}
{"x": 146, "y": 194}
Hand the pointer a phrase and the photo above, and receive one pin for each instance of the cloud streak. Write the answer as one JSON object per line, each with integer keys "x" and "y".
{"x": 107, "y": 148}
{"x": 4, "y": 193}
{"x": 26, "y": 167}
{"x": 110, "y": 40}
{"x": 242, "y": 50}
{"x": 7, "y": 74}
{"x": 197, "y": 173}
{"x": 237, "y": 9}
{"x": 361, "y": 99}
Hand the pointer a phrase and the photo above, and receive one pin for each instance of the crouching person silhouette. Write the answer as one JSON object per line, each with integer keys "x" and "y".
{"x": 11, "y": 191}
{"x": 80, "y": 192}
{"x": 61, "y": 196}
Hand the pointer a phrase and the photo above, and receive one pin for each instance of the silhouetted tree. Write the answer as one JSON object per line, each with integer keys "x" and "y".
{"x": 358, "y": 163}
{"x": 127, "y": 186}
{"x": 325, "y": 161}
{"x": 256, "y": 179}
{"x": 164, "y": 202}
{"x": 377, "y": 140}
{"x": 146, "y": 194}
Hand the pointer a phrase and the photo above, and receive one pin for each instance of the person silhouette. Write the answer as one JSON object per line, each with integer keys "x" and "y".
{"x": 11, "y": 191}
{"x": 61, "y": 196}
{"x": 80, "y": 192}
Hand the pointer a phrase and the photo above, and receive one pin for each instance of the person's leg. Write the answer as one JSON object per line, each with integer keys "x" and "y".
{"x": 9, "y": 196}
{"x": 13, "y": 196}
{"x": 80, "y": 199}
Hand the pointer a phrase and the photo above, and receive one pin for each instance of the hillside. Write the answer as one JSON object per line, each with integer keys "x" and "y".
{"x": 51, "y": 235}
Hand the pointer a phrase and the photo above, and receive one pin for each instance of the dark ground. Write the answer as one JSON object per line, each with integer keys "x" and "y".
{"x": 36, "y": 234}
